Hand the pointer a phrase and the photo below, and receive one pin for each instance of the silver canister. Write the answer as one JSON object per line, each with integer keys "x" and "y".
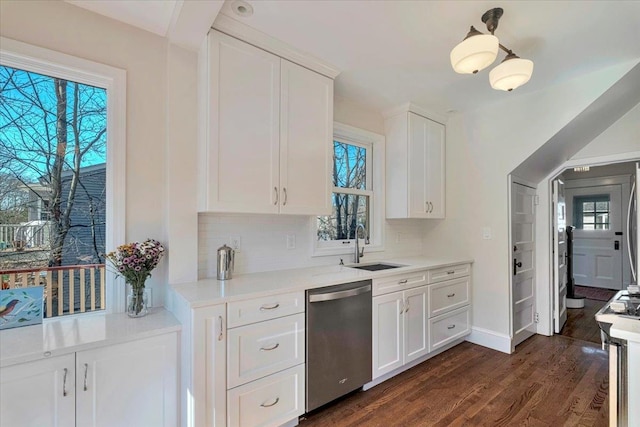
{"x": 224, "y": 261}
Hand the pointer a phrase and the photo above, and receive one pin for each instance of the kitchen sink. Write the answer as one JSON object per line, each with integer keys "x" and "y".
{"x": 375, "y": 267}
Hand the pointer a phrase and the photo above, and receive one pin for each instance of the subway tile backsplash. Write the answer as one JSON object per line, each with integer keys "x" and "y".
{"x": 263, "y": 242}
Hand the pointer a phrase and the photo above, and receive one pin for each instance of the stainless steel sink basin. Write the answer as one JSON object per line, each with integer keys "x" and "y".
{"x": 375, "y": 267}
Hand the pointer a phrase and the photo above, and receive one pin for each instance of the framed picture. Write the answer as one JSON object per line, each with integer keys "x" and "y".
{"x": 21, "y": 306}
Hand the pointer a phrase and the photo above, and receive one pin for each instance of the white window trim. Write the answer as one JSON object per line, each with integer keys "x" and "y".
{"x": 376, "y": 165}
{"x": 48, "y": 62}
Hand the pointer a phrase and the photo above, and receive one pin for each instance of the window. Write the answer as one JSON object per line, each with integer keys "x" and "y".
{"x": 358, "y": 193}
{"x": 62, "y": 128}
{"x": 591, "y": 212}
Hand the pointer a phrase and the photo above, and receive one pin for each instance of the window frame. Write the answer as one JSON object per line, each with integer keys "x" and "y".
{"x": 375, "y": 164}
{"x": 578, "y": 211}
{"x": 36, "y": 59}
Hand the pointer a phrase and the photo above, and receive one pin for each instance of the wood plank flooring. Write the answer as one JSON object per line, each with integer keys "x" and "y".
{"x": 548, "y": 381}
{"x": 581, "y": 323}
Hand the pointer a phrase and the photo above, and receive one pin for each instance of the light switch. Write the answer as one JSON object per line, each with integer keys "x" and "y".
{"x": 486, "y": 233}
{"x": 291, "y": 241}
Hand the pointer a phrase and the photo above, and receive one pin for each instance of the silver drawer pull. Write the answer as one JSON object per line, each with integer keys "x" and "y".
{"x": 271, "y": 404}
{"x": 64, "y": 382}
{"x": 402, "y": 282}
{"x": 451, "y": 295}
{"x": 451, "y": 326}
{"x": 451, "y": 271}
{"x": 270, "y": 307}
{"x": 273, "y": 347}
{"x": 86, "y": 369}
{"x": 220, "y": 335}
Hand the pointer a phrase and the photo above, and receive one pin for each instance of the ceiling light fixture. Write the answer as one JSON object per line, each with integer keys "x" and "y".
{"x": 477, "y": 51}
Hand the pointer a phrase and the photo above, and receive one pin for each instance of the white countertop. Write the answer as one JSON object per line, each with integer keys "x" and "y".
{"x": 211, "y": 291}
{"x": 65, "y": 335}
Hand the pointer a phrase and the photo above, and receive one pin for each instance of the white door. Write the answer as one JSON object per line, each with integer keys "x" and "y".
{"x": 306, "y": 135}
{"x": 522, "y": 262}
{"x": 560, "y": 278}
{"x": 416, "y": 323}
{"x": 132, "y": 384}
{"x": 633, "y": 228}
{"x": 595, "y": 212}
{"x": 388, "y": 337}
{"x": 39, "y": 394}
{"x": 244, "y": 117}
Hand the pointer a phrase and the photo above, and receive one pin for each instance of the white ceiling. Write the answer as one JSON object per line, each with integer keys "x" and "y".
{"x": 392, "y": 52}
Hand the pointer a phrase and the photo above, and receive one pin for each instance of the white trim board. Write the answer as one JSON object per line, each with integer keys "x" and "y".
{"x": 490, "y": 339}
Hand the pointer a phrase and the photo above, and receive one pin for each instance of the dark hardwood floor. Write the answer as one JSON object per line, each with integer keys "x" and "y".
{"x": 548, "y": 381}
{"x": 581, "y": 323}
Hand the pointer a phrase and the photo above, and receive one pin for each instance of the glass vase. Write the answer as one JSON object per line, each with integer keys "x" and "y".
{"x": 137, "y": 301}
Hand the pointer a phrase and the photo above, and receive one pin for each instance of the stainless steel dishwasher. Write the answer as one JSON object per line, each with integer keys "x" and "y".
{"x": 338, "y": 341}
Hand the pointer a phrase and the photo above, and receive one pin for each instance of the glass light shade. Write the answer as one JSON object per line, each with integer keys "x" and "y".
{"x": 511, "y": 73}
{"x": 474, "y": 53}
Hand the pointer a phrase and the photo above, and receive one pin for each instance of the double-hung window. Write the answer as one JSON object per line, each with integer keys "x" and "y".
{"x": 358, "y": 193}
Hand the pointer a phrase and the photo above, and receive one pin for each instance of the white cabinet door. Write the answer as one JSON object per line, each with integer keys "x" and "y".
{"x": 418, "y": 137}
{"x": 242, "y": 155}
{"x": 209, "y": 369}
{"x": 435, "y": 170}
{"x": 132, "y": 384}
{"x": 306, "y": 132}
{"x": 38, "y": 394}
{"x": 416, "y": 323}
{"x": 388, "y": 337}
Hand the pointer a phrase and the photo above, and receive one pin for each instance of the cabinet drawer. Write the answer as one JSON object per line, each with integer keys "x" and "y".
{"x": 449, "y": 327}
{"x": 451, "y": 272}
{"x": 449, "y": 295}
{"x": 265, "y": 308}
{"x": 399, "y": 282}
{"x": 257, "y": 350}
{"x": 270, "y": 401}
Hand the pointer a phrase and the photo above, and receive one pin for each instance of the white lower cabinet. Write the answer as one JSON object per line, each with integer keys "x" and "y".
{"x": 39, "y": 394}
{"x": 118, "y": 385}
{"x": 270, "y": 401}
{"x": 400, "y": 329}
{"x": 449, "y": 327}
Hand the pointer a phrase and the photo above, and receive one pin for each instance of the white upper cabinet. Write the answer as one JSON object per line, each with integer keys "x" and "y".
{"x": 415, "y": 167}
{"x": 269, "y": 127}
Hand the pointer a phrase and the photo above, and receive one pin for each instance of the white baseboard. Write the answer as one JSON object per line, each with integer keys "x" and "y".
{"x": 490, "y": 339}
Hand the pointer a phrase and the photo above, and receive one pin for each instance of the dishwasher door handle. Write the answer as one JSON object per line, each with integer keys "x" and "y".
{"x": 340, "y": 294}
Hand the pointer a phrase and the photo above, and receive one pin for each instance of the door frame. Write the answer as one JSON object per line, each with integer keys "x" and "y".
{"x": 544, "y": 243}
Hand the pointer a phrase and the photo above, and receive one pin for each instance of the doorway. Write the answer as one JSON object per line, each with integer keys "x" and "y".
{"x": 595, "y": 199}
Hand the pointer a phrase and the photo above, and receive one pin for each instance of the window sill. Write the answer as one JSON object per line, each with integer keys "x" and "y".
{"x": 346, "y": 250}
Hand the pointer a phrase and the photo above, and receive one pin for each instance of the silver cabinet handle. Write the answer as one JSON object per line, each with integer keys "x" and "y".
{"x": 426, "y": 207}
{"x": 284, "y": 190}
{"x": 270, "y": 404}
{"x": 220, "y": 335}
{"x": 431, "y": 211}
{"x": 402, "y": 282}
{"x": 450, "y": 271}
{"x": 275, "y": 190}
{"x": 451, "y": 295}
{"x": 273, "y": 347}
{"x": 451, "y": 326}
{"x": 269, "y": 307}
{"x": 406, "y": 310}
{"x": 64, "y": 382}
{"x": 86, "y": 369}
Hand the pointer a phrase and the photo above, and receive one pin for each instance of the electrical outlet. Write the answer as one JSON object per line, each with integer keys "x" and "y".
{"x": 291, "y": 241}
{"x": 235, "y": 243}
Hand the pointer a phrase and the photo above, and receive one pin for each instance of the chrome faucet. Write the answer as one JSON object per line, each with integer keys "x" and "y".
{"x": 359, "y": 253}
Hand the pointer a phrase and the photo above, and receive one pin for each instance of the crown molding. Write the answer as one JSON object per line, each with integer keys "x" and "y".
{"x": 413, "y": 108}
{"x": 264, "y": 41}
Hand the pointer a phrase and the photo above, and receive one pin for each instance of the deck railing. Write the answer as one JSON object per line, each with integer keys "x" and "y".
{"x": 19, "y": 236}
{"x": 67, "y": 290}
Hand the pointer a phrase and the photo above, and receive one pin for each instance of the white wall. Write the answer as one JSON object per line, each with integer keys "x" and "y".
{"x": 158, "y": 113}
{"x": 483, "y": 147}
{"x": 623, "y": 136}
